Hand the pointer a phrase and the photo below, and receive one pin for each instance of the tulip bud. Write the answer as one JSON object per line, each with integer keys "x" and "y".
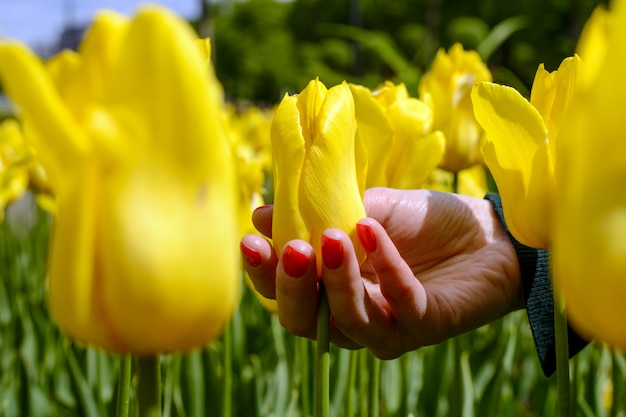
{"x": 319, "y": 166}
{"x": 446, "y": 88}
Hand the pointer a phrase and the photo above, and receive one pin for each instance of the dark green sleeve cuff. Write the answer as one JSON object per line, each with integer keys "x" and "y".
{"x": 535, "y": 271}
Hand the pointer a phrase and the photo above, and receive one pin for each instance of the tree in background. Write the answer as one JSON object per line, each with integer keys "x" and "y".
{"x": 264, "y": 48}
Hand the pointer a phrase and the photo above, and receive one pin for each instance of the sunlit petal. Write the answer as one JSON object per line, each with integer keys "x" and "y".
{"x": 517, "y": 152}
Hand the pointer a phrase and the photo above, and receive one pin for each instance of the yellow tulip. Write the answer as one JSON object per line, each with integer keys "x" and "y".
{"x": 249, "y": 134}
{"x": 251, "y": 147}
{"x": 446, "y": 88}
{"x": 589, "y": 249}
{"x": 319, "y": 166}
{"x": 15, "y": 160}
{"x": 471, "y": 181}
{"x": 519, "y": 147}
{"x": 592, "y": 44}
{"x": 131, "y": 131}
{"x": 20, "y": 170}
{"x": 396, "y": 131}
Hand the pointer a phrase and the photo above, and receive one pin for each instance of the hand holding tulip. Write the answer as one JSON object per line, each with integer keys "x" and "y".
{"x": 437, "y": 265}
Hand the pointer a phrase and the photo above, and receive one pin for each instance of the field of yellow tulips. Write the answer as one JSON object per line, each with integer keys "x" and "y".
{"x": 127, "y": 181}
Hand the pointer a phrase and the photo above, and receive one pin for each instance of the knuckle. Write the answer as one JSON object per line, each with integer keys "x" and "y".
{"x": 356, "y": 327}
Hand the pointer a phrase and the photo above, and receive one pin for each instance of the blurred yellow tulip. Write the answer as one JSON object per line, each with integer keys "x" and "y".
{"x": 130, "y": 129}
{"x": 251, "y": 147}
{"x": 319, "y": 166}
{"x": 15, "y": 159}
{"x": 20, "y": 170}
{"x": 519, "y": 147}
{"x": 470, "y": 181}
{"x": 589, "y": 246}
{"x": 446, "y": 89}
{"x": 396, "y": 130}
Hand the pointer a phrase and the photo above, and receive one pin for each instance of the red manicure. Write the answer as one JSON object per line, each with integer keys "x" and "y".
{"x": 252, "y": 257}
{"x": 332, "y": 252}
{"x": 262, "y": 207}
{"x": 366, "y": 236}
{"x": 295, "y": 263}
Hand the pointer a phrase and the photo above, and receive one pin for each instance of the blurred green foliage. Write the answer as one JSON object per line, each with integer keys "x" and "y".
{"x": 264, "y": 48}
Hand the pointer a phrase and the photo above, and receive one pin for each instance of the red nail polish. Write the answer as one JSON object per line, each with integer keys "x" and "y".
{"x": 332, "y": 252}
{"x": 295, "y": 263}
{"x": 252, "y": 257}
{"x": 262, "y": 207}
{"x": 366, "y": 236}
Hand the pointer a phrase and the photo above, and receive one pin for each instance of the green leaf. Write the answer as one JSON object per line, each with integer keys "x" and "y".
{"x": 85, "y": 395}
{"x": 499, "y": 34}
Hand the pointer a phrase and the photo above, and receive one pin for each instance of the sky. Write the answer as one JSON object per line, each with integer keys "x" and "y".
{"x": 39, "y": 22}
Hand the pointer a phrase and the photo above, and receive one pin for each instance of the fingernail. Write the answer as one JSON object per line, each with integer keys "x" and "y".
{"x": 366, "y": 236}
{"x": 295, "y": 263}
{"x": 332, "y": 252}
{"x": 252, "y": 257}
{"x": 262, "y": 207}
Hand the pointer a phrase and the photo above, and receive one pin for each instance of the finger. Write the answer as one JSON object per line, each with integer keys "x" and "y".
{"x": 260, "y": 263}
{"x": 297, "y": 289}
{"x": 262, "y": 219}
{"x": 355, "y": 314}
{"x": 403, "y": 292}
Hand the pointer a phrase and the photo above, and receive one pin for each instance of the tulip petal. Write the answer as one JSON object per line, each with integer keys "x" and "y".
{"x": 375, "y": 133}
{"x": 74, "y": 290}
{"x": 329, "y": 174}
{"x": 288, "y": 150}
{"x": 158, "y": 47}
{"x": 420, "y": 159}
{"x": 592, "y": 43}
{"x": 81, "y": 77}
{"x": 190, "y": 301}
{"x": 517, "y": 152}
{"x": 590, "y": 222}
{"x": 412, "y": 120}
{"x": 309, "y": 104}
{"x": 552, "y": 93}
{"x": 51, "y": 128}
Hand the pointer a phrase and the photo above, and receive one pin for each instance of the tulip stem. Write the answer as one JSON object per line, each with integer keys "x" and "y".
{"x": 123, "y": 386}
{"x": 562, "y": 359}
{"x": 227, "y": 383}
{"x": 352, "y": 390}
{"x": 322, "y": 372}
{"x": 374, "y": 394}
{"x": 149, "y": 386}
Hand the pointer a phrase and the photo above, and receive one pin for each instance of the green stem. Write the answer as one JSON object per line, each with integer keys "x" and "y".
{"x": 354, "y": 365}
{"x": 123, "y": 386}
{"x": 227, "y": 398}
{"x": 304, "y": 360}
{"x": 562, "y": 360}
{"x": 455, "y": 183}
{"x": 456, "y": 405}
{"x": 149, "y": 386}
{"x": 618, "y": 384}
{"x": 362, "y": 394}
{"x": 322, "y": 365}
{"x": 374, "y": 393}
{"x": 194, "y": 373}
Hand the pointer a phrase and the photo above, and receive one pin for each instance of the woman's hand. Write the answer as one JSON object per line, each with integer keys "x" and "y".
{"x": 438, "y": 265}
